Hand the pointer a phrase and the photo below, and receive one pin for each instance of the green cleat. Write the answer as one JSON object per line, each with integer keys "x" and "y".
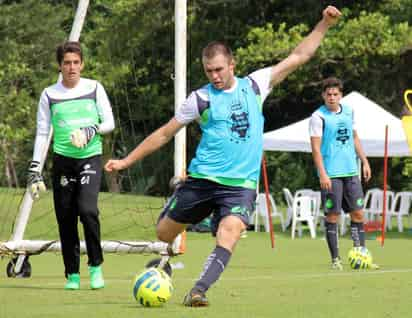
{"x": 73, "y": 282}
{"x": 195, "y": 299}
{"x": 337, "y": 264}
{"x": 96, "y": 277}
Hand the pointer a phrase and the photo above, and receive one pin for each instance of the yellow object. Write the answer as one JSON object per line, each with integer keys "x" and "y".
{"x": 152, "y": 287}
{"x": 405, "y": 96}
{"x": 407, "y": 120}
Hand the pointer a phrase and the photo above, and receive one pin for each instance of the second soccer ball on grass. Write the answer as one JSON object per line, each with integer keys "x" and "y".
{"x": 359, "y": 258}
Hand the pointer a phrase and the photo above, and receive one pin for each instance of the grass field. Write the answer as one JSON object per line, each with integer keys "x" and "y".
{"x": 293, "y": 280}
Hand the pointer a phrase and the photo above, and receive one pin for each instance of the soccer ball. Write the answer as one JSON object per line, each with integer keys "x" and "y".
{"x": 359, "y": 258}
{"x": 152, "y": 287}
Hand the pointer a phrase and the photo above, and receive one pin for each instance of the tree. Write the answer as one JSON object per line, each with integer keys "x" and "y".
{"x": 26, "y": 55}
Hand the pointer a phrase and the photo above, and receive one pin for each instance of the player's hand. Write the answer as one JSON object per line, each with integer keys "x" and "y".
{"x": 80, "y": 137}
{"x": 331, "y": 15}
{"x": 35, "y": 183}
{"x": 366, "y": 171}
{"x": 115, "y": 165}
{"x": 325, "y": 183}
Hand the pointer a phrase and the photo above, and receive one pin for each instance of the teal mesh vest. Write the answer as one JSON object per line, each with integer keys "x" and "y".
{"x": 232, "y": 135}
{"x": 337, "y": 148}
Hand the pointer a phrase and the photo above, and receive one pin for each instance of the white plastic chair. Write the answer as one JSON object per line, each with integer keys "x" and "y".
{"x": 304, "y": 210}
{"x": 371, "y": 205}
{"x": 262, "y": 212}
{"x": 376, "y": 203}
{"x": 344, "y": 222}
{"x": 319, "y": 217}
{"x": 399, "y": 209}
{"x": 302, "y": 192}
{"x": 289, "y": 201}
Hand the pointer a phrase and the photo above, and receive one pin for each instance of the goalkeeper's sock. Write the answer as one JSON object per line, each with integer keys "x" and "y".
{"x": 357, "y": 233}
{"x": 214, "y": 267}
{"x": 332, "y": 239}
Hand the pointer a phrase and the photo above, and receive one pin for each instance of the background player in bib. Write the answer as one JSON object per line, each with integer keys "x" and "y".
{"x": 225, "y": 170}
{"x": 335, "y": 149}
{"x": 79, "y": 111}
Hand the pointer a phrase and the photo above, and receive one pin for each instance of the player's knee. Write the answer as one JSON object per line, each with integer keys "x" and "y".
{"x": 357, "y": 216}
{"x": 332, "y": 218}
{"x": 231, "y": 228}
{"x": 166, "y": 232}
{"x": 163, "y": 235}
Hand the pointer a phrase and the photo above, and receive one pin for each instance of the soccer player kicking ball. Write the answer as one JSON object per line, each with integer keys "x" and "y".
{"x": 79, "y": 112}
{"x": 335, "y": 148}
{"x": 225, "y": 170}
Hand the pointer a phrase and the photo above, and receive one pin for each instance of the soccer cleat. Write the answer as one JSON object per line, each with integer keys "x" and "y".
{"x": 195, "y": 299}
{"x": 96, "y": 277}
{"x": 337, "y": 264}
{"x": 73, "y": 282}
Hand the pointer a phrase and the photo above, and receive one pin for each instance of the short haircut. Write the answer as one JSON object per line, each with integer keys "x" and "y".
{"x": 68, "y": 47}
{"x": 217, "y": 47}
{"x": 332, "y": 82}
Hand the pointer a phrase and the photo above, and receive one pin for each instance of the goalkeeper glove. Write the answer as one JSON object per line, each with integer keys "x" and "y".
{"x": 35, "y": 181}
{"x": 81, "y": 136}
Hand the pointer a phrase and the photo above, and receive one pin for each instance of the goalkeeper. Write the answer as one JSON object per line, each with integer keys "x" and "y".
{"x": 79, "y": 111}
{"x": 225, "y": 171}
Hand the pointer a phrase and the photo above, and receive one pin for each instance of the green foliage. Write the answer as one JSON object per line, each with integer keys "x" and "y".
{"x": 290, "y": 170}
{"x": 129, "y": 47}
{"x": 26, "y": 63}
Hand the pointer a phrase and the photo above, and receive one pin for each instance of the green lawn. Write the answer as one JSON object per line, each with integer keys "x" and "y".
{"x": 293, "y": 280}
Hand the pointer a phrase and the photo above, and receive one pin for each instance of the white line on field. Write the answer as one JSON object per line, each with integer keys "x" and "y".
{"x": 283, "y": 276}
{"x": 326, "y": 274}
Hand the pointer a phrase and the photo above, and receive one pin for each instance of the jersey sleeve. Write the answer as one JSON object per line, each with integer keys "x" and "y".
{"x": 262, "y": 78}
{"x": 42, "y": 126}
{"x": 315, "y": 125}
{"x": 105, "y": 110}
{"x": 188, "y": 111}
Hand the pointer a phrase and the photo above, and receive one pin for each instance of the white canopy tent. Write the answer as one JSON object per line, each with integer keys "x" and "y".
{"x": 371, "y": 122}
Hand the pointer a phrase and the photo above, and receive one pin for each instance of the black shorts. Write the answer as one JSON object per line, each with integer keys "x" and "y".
{"x": 346, "y": 195}
{"x": 196, "y": 199}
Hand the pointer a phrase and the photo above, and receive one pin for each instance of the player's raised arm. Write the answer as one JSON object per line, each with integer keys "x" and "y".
{"x": 307, "y": 48}
{"x": 150, "y": 144}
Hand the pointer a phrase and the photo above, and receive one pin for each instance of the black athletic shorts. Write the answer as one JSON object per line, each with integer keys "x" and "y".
{"x": 346, "y": 195}
{"x": 196, "y": 199}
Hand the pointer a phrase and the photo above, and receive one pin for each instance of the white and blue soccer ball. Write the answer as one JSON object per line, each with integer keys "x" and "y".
{"x": 359, "y": 258}
{"x": 152, "y": 287}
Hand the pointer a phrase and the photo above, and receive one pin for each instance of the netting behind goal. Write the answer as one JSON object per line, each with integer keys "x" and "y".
{"x": 122, "y": 216}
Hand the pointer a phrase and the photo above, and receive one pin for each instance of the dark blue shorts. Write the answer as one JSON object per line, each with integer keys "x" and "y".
{"x": 346, "y": 195}
{"x": 196, "y": 199}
